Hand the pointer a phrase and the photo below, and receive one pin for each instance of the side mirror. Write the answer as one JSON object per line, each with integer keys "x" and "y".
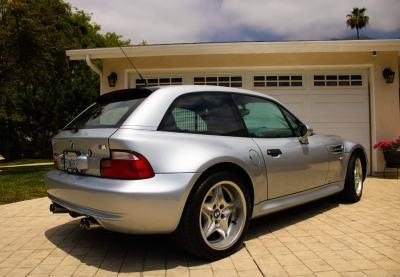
{"x": 304, "y": 132}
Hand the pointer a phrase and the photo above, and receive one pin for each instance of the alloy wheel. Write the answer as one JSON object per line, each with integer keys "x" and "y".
{"x": 223, "y": 215}
{"x": 358, "y": 176}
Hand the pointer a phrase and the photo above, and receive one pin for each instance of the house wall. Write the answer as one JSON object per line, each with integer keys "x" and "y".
{"x": 384, "y": 97}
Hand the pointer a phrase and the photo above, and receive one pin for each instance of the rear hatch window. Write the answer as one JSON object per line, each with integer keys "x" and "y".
{"x": 109, "y": 110}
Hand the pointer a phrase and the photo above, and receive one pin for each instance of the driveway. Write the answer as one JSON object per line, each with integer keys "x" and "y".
{"x": 322, "y": 238}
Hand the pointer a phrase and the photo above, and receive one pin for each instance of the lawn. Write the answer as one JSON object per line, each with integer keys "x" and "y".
{"x": 25, "y": 161}
{"x": 22, "y": 183}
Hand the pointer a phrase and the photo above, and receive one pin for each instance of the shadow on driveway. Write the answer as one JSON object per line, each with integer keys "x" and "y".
{"x": 115, "y": 252}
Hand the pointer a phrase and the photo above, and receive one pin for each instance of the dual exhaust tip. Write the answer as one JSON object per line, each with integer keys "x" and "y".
{"x": 88, "y": 223}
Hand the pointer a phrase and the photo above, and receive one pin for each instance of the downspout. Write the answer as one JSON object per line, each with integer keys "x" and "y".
{"x": 97, "y": 70}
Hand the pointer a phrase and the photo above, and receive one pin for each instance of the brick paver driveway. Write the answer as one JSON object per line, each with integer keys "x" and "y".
{"x": 323, "y": 238}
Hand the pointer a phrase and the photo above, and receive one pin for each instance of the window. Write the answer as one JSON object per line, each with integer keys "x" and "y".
{"x": 263, "y": 119}
{"x": 293, "y": 121}
{"x": 167, "y": 81}
{"x": 340, "y": 80}
{"x": 210, "y": 114}
{"x": 227, "y": 81}
{"x": 273, "y": 81}
{"x": 104, "y": 115}
{"x": 189, "y": 120}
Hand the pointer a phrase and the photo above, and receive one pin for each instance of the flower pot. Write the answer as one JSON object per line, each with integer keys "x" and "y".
{"x": 392, "y": 158}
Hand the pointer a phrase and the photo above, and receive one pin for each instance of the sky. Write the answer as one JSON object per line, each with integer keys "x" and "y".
{"x": 188, "y": 21}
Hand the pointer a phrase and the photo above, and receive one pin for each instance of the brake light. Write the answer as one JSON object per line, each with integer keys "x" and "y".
{"x": 126, "y": 165}
{"x": 55, "y": 160}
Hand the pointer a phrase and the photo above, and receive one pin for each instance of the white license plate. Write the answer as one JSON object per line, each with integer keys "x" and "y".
{"x": 70, "y": 160}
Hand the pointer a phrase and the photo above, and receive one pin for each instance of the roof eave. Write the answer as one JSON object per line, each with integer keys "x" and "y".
{"x": 238, "y": 48}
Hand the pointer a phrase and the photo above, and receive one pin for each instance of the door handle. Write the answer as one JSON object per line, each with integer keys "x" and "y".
{"x": 275, "y": 153}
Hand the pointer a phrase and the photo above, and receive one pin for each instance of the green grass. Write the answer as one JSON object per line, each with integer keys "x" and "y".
{"x": 25, "y": 161}
{"x": 22, "y": 183}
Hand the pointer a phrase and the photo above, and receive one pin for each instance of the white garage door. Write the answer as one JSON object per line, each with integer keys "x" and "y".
{"x": 330, "y": 101}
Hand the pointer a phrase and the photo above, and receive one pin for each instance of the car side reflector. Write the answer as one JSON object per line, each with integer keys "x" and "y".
{"x": 55, "y": 160}
{"x": 126, "y": 165}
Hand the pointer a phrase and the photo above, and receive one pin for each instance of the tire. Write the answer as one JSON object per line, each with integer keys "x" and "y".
{"x": 354, "y": 182}
{"x": 216, "y": 217}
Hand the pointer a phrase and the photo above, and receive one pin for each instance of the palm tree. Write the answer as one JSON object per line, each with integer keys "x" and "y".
{"x": 357, "y": 19}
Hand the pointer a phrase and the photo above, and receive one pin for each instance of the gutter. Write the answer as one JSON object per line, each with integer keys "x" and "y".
{"x": 97, "y": 70}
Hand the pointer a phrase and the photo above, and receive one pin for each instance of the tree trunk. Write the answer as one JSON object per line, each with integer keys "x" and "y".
{"x": 358, "y": 34}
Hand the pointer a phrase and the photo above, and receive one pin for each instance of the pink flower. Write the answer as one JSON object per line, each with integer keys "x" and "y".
{"x": 388, "y": 146}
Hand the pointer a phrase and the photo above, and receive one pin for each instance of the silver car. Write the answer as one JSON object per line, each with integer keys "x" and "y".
{"x": 197, "y": 162}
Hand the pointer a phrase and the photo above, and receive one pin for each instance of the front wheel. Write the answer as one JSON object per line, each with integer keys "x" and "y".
{"x": 354, "y": 182}
{"x": 216, "y": 217}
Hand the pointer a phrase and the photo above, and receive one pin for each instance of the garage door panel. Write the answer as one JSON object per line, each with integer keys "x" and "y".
{"x": 356, "y": 132}
{"x": 341, "y": 106}
{"x": 296, "y": 104}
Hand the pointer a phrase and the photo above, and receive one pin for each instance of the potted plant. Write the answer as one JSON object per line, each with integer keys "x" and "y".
{"x": 390, "y": 151}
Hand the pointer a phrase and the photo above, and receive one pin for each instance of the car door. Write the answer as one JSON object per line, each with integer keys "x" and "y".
{"x": 291, "y": 166}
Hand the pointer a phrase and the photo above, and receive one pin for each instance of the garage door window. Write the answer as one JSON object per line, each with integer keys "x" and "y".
{"x": 165, "y": 81}
{"x": 274, "y": 81}
{"x": 223, "y": 81}
{"x": 341, "y": 80}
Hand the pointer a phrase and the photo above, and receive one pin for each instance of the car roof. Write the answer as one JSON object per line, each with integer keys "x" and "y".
{"x": 150, "y": 113}
{"x": 184, "y": 89}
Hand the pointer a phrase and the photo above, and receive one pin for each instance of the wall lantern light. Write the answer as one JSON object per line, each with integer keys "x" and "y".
{"x": 112, "y": 79}
{"x": 389, "y": 75}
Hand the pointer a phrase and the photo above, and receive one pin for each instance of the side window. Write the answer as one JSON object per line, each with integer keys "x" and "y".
{"x": 263, "y": 119}
{"x": 208, "y": 113}
{"x": 189, "y": 120}
{"x": 293, "y": 121}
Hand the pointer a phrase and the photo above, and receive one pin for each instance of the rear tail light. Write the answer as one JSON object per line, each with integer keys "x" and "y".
{"x": 55, "y": 160}
{"x": 126, "y": 165}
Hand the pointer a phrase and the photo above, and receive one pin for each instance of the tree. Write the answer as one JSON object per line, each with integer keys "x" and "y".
{"x": 40, "y": 89}
{"x": 357, "y": 20}
{"x": 144, "y": 42}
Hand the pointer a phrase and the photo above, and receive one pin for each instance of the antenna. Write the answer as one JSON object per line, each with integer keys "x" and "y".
{"x": 132, "y": 64}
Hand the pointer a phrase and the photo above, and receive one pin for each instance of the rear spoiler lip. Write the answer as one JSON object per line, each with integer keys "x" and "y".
{"x": 139, "y": 91}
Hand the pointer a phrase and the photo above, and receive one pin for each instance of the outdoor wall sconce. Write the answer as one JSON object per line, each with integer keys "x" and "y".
{"x": 388, "y": 75}
{"x": 112, "y": 79}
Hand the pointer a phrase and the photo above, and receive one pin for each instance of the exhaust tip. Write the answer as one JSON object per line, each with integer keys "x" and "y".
{"x": 91, "y": 223}
{"x": 58, "y": 209}
{"x": 83, "y": 223}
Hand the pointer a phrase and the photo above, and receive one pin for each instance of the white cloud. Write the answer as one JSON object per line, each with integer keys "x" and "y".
{"x": 176, "y": 21}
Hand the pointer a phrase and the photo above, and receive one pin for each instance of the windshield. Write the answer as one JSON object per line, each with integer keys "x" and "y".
{"x": 104, "y": 115}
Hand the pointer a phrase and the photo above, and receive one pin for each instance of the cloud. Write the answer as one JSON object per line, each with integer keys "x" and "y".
{"x": 179, "y": 21}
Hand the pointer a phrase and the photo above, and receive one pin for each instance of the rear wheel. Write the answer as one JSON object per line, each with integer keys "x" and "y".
{"x": 354, "y": 182}
{"x": 216, "y": 217}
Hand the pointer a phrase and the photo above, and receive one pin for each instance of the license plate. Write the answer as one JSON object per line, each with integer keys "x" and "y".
{"x": 70, "y": 160}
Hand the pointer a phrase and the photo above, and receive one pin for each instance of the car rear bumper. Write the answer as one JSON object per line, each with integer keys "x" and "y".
{"x": 148, "y": 206}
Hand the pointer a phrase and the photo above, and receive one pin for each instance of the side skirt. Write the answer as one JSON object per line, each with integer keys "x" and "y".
{"x": 274, "y": 205}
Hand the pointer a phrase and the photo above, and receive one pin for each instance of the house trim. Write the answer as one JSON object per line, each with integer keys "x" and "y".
{"x": 238, "y": 48}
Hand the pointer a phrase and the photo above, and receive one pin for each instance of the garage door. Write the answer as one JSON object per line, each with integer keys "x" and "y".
{"x": 330, "y": 101}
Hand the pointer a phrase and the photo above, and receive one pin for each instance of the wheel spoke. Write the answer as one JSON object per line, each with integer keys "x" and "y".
{"x": 211, "y": 228}
{"x": 224, "y": 225}
{"x": 220, "y": 196}
{"x": 207, "y": 209}
{"x": 222, "y": 233}
{"x": 214, "y": 199}
{"x": 229, "y": 208}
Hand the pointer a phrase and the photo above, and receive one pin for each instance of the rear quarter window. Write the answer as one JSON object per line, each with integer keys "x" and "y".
{"x": 204, "y": 113}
